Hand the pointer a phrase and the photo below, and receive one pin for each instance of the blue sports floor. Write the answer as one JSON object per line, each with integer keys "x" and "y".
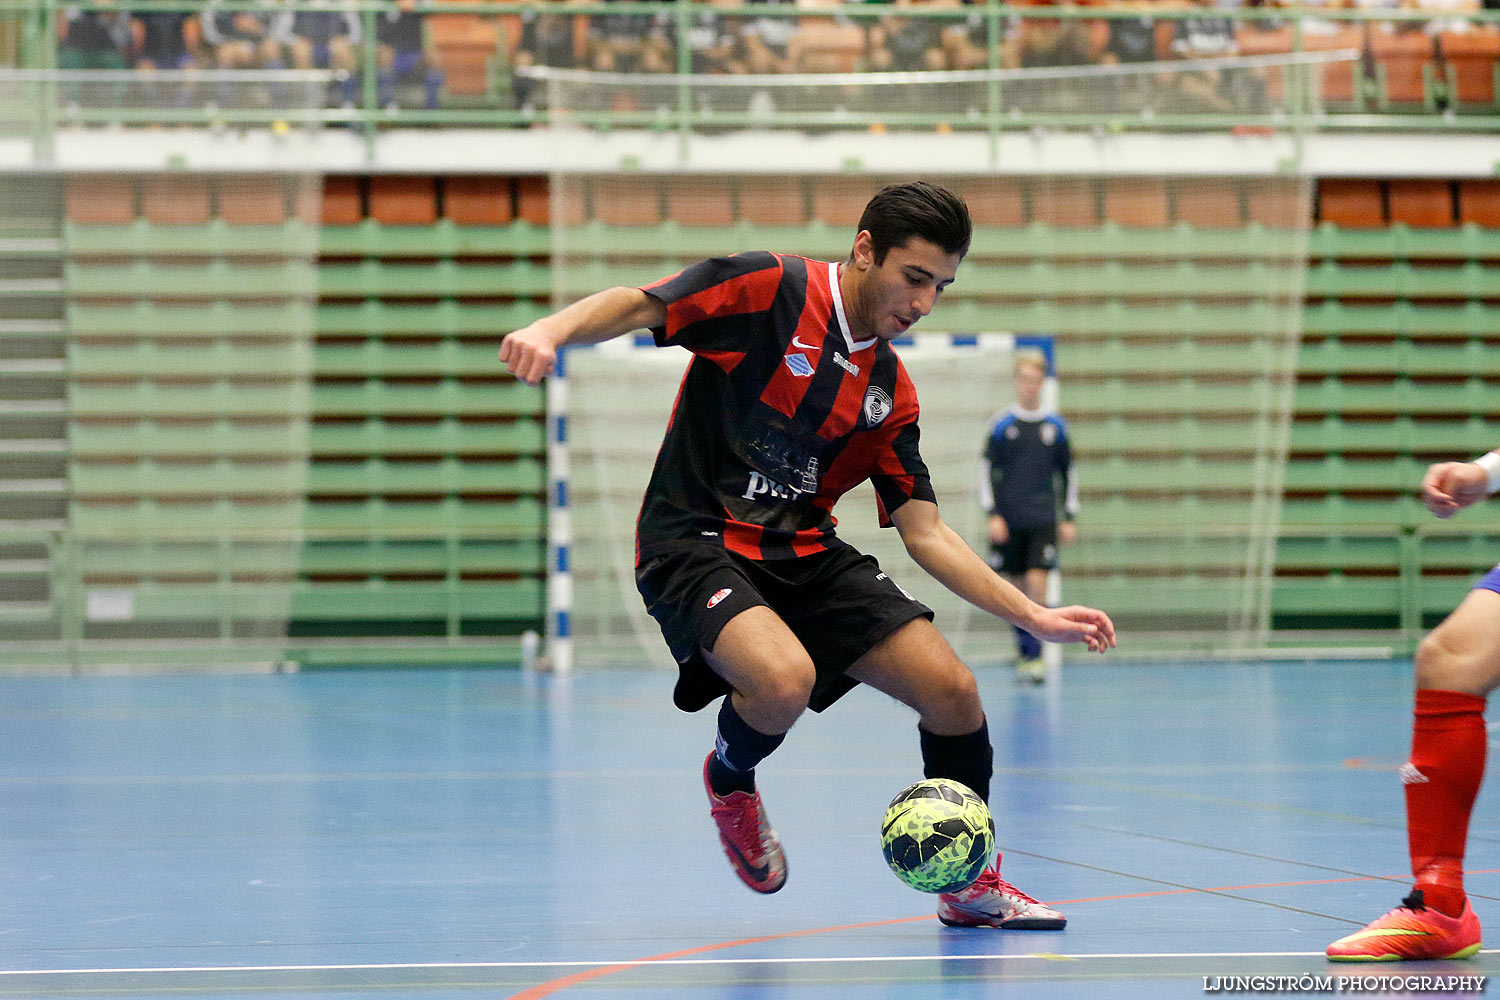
{"x": 468, "y": 834}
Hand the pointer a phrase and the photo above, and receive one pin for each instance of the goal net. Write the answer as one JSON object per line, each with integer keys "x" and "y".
{"x": 620, "y": 397}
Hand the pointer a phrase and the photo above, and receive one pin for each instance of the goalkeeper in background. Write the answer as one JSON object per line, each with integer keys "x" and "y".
{"x": 1026, "y": 478}
{"x": 1458, "y": 665}
{"x": 795, "y": 396}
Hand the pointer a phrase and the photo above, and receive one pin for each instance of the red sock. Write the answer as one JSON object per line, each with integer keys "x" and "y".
{"x": 1442, "y": 779}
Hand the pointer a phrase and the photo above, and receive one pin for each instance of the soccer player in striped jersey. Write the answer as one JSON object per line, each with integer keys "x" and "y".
{"x": 1458, "y": 665}
{"x": 793, "y": 397}
{"x": 1026, "y": 478}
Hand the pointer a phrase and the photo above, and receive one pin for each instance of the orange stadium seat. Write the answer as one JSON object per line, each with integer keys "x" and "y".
{"x": 403, "y": 201}
{"x": 628, "y": 201}
{"x": 772, "y": 201}
{"x": 534, "y": 200}
{"x": 1469, "y": 61}
{"x": 1343, "y": 82}
{"x": 170, "y": 200}
{"x": 101, "y": 201}
{"x": 1252, "y": 39}
{"x": 1275, "y": 206}
{"x": 1405, "y": 63}
{"x": 341, "y": 203}
{"x": 253, "y": 201}
{"x": 1136, "y": 202}
{"x": 464, "y": 44}
{"x": 1065, "y": 201}
{"x": 1355, "y": 204}
{"x": 1479, "y": 203}
{"x": 1001, "y": 204}
{"x": 700, "y": 201}
{"x": 839, "y": 201}
{"x": 478, "y": 201}
{"x": 1424, "y": 203}
{"x": 1209, "y": 202}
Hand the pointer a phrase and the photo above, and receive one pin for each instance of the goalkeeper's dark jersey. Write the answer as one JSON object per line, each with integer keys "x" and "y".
{"x": 780, "y": 412}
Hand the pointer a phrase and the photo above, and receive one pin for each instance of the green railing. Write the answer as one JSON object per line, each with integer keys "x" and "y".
{"x": 1365, "y": 95}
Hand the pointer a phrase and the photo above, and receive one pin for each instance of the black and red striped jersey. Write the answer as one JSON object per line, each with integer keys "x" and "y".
{"x": 780, "y": 413}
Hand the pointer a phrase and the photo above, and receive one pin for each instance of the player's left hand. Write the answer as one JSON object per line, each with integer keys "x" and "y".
{"x": 1067, "y": 532}
{"x": 1075, "y": 623}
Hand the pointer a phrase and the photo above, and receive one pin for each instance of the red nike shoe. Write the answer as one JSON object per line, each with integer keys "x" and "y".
{"x": 752, "y": 847}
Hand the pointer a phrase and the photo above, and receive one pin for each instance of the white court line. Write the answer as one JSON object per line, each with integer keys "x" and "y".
{"x": 630, "y": 962}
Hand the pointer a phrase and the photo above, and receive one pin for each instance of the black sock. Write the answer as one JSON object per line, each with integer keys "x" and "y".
{"x": 968, "y": 759}
{"x": 738, "y": 749}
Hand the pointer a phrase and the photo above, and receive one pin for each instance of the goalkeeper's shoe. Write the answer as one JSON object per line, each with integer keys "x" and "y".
{"x": 753, "y": 849}
{"x": 1411, "y": 932}
{"x": 993, "y": 902}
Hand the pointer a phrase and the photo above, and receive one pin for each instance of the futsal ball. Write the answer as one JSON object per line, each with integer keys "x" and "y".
{"x": 937, "y": 835}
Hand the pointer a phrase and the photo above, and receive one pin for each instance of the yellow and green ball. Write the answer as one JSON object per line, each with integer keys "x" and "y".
{"x": 937, "y": 835}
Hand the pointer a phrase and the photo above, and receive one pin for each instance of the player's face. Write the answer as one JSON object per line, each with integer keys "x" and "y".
{"x": 892, "y": 295}
{"x": 1028, "y": 387}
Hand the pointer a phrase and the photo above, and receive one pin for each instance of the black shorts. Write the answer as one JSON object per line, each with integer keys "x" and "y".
{"x": 839, "y": 605}
{"x": 1026, "y": 548}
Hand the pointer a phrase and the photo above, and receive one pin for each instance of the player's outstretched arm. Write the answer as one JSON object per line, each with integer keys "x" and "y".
{"x": 530, "y": 352}
{"x": 945, "y": 556}
{"x": 1449, "y": 487}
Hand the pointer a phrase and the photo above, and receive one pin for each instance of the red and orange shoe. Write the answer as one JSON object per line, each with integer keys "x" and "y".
{"x": 1410, "y": 933}
{"x": 752, "y": 847}
{"x": 993, "y": 902}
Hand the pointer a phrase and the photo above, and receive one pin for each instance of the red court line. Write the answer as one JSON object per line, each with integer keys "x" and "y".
{"x": 556, "y": 985}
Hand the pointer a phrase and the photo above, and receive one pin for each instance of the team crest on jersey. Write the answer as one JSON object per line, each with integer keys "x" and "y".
{"x": 719, "y": 596}
{"x": 1049, "y": 434}
{"x": 800, "y": 366}
{"x": 877, "y": 405}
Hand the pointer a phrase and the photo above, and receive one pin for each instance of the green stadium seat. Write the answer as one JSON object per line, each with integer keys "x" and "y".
{"x": 379, "y": 477}
{"x": 444, "y": 436}
{"x": 446, "y": 318}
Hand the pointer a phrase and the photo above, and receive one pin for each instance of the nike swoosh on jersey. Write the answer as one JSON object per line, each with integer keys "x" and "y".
{"x": 806, "y": 347}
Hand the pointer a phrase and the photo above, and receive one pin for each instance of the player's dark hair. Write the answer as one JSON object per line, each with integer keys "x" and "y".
{"x": 900, "y": 212}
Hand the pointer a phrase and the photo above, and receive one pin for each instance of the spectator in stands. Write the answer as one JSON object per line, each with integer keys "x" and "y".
{"x": 546, "y": 40}
{"x": 1131, "y": 39}
{"x": 404, "y": 55}
{"x": 630, "y": 42}
{"x": 712, "y": 38}
{"x": 166, "y": 39}
{"x": 327, "y": 39}
{"x": 1046, "y": 41}
{"x": 242, "y": 40}
{"x": 170, "y": 40}
{"x": 900, "y": 43}
{"x": 94, "y": 39}
{"x": 1212, "y": 89}
{"x": 1206, "y": 34}
{"x": 967, "y": 42}
{"x": 765, "y": 42}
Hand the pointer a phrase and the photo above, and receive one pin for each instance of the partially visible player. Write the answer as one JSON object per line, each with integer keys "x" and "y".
{"x": 1458, "y": 665}
{"x": 1025, "y": 484}
{"x": 795, "y": 396}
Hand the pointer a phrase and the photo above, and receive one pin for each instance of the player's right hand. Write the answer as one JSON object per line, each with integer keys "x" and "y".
{"x": 1449, "y": 487}
{"x": 529, "y": 353}
{"x": 999, "y": 530}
